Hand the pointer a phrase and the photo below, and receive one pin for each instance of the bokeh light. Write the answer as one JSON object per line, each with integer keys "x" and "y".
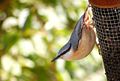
{"x": 32, "y": 32}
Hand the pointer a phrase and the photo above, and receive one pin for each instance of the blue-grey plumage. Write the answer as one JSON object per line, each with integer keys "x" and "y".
{"x": 81, "y": 41}
{"x": 74, "y": 40}
{"x": 76, "y": 34}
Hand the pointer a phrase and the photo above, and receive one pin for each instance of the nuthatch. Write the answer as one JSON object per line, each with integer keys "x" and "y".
{"x": 81, "y": 42}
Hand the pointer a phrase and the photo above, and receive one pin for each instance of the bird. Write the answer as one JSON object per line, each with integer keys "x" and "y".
{"x": 81, "y": 42}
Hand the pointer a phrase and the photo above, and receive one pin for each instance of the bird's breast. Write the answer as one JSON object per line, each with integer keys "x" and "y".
{"x": 86, "y": 43}
{"x": 85, "y": 46}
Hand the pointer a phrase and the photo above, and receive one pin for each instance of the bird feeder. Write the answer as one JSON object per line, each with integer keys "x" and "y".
{"x": 106, "y": 15}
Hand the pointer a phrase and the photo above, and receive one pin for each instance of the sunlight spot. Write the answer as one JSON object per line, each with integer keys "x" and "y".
{"x": 26, "y": 62}
{"x": 26, "y": 47}
{"x": 16, "y": 69}
{"x": 9, "y": 22}
{"x": 60, "y": 65}
{"x": 22, "y": 17}
{"x": 39, "y": 45}
{"x": 9, "y": 65}
{"x": 14, "y": 50}
{"x": 54, "y": 21}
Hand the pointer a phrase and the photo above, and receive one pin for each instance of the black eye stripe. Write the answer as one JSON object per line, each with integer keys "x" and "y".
{"x": 61, "y": 54}
{"x": 66, "y": 50}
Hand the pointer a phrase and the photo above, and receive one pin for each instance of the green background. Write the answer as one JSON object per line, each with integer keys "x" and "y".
{"x": 31, "y": 34}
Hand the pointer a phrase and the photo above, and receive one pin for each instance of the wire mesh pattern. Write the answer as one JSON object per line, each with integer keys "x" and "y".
{"x": 107, "y": 23}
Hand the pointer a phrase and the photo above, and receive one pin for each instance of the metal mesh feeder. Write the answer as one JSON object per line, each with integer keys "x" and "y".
{"x": 107, "y": 23}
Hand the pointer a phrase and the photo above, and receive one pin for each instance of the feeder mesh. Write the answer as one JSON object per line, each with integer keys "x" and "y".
{"x": 107, "y": 23}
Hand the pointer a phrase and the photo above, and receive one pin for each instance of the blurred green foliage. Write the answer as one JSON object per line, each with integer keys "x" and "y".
{"x": 31, "y": 33}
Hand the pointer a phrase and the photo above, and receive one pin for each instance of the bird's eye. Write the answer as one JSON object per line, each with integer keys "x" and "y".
{"x": 66, "y": 49}
{"x": 63, "y": 52}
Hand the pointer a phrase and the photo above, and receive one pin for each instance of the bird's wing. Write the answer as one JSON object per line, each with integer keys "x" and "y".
{"x": 76, "y": 34}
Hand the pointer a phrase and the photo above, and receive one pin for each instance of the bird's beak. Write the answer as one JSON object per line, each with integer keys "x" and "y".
{"x": 54, "y": 59}
{"x": 58, "y": 56}
{"x": 66, "y": 49}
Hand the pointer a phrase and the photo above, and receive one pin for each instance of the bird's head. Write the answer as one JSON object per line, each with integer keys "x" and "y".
{"x": 65, "y": 52}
